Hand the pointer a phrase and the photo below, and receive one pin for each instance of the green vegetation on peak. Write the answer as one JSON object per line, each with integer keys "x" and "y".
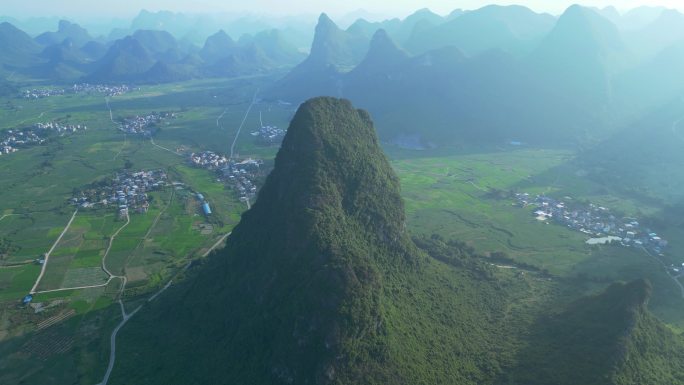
{"x": 580, "y": 56}
{"x": 125, "y": 60}
{"x": 610, "y": 338}
{"x": 331, "y": 159}
{"x": 298, "y": 289}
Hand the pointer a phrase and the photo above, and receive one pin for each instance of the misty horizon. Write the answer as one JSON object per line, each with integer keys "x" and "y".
{"x": 375, "y": 11}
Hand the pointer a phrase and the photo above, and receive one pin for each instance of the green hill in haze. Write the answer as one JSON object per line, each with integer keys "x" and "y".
{"x": 265, "y": 51}
{"x": 666, "y": 30}
{"x": 333, "y": 52}
{"x": 7, "y": 88}
{"x": 562, "y": 93}
{"x": 65, "y": 30}
{"x": 333, "y": 47}
{"x": 608, "y": 339}
{"x": 159, "y": 43}
{"x": 654, "y": 83}
{"x": 217, "y": 46}
{"x": 17, "y": 47}
{"x": 580, "y": 57}
{"x": 63, "y": 61}
{"x": 150, "y": 56}
{"x": 126, "y": 60}
{"x": 399, "y": 30}
{"x": 644, "y": 159}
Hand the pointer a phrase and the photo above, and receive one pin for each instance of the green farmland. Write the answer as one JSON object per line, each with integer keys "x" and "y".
{"x": 149, "y": 249}
{"x": 463, "y": 196}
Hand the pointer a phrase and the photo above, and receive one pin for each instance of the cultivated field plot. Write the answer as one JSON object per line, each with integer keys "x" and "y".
{"x": 16, "y": 281}
{"x": 171, "y": 239}
{"x": 32, "y": 234}
{"x": 455, "y": 193}
{"x": 77, "y": 259}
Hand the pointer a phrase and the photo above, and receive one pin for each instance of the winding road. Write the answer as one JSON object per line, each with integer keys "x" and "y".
{"x": 127, "y": 316}
{"x": 112, "y": 341}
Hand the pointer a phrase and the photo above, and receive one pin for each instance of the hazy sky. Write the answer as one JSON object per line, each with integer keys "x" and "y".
{"x": 127, "y": 8}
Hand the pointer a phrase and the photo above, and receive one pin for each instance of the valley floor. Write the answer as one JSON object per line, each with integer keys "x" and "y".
{"x": 102, "y": 262}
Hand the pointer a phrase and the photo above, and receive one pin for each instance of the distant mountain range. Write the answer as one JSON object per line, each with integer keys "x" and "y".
{"x": 499, "y": 73}
{"x": 145, "y": 56}
{"x": 514, "y": 29}
{"x": 496, "y": 74}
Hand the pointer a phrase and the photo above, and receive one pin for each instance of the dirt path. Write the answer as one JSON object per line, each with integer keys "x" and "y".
{"x": 109, "y": 247}
{"x": 111, "y": 117}
{"x": 214, "y": 246}
{"x": 36, "y": 118}
{"x": 244, "y": 119}
{"x": 7, "y": 215}
{"x": 477, "y": 187}
{"x": 218, "y": 120}
{"x": 76, "y": 288}
{"x": 47, "y": 255}
{"x": 163, "y": 148}
{"x": 123, "y": 146}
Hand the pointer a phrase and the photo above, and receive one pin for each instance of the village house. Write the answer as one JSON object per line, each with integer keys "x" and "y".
{"x": 127, "y": 191}
{"x": 595, "y": 221}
